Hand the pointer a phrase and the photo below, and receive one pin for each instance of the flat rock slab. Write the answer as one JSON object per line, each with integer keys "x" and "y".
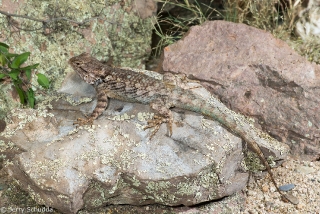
{"x": 115, "y": 162}
{"x": 257, "y": 75}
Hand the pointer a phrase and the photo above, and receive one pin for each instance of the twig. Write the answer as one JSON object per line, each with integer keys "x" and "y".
{"x": 47, "y": 21}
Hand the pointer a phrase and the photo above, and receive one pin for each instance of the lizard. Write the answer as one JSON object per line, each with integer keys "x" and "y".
{"x": 130, "y": 86}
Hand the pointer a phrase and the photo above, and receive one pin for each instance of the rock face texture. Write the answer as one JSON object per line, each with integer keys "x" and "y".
{"x": 257, "y": 75}
{"x": 115, "y": 162}
{"x": 118, "y": 29}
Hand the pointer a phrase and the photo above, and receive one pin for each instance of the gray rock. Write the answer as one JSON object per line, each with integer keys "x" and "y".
{"x": 110, "y": 29}
{"x": 286, "y": 187}
{"x": 115, "y": 162}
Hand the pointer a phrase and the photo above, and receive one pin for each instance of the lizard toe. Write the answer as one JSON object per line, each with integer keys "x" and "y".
{"x": 83, "y": 121}
{"x": 156, "y": 123}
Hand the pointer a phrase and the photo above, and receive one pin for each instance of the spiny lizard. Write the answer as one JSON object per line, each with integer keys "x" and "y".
{"x": 130, "y": 86}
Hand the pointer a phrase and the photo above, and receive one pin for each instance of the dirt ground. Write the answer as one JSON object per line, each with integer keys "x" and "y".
{"x": 260, "y": 196}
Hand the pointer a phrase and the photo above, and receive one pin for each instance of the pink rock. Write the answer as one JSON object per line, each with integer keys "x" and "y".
{"x": 257, "y": 75}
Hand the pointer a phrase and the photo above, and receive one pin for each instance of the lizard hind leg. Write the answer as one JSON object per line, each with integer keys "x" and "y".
{"x": 83, "y": 121}
{"x": 165, "y": 116}
{"x": 99, "y": 109}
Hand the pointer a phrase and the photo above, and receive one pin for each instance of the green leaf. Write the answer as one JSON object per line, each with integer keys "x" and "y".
{"x": 43, "y": 80}
{"x": 20, "y": 92}
{"x": 28, "y": 69}
{"x": 4, "y": 45}
{"x": 2, "y": 75}
{"x": 11, "y": 55}
{"x": 28, "y": 74}
{"x": 14, "y": 74}
{"x": 3, "y": 49}
{"x": 30, "y": 97}
{"x": 19, "y": 60}
{"x": 3, "y": 60}
{"x": 30, "y": 66}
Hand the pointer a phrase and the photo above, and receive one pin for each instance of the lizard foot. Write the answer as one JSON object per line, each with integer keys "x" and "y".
{"x": 83, "y": 121}
{"x": 181, "y": 80}
{"x": 156, "y": 122}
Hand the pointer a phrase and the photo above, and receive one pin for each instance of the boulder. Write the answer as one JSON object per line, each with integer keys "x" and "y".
{"x": 256, "y": 75}
{"x": 115, "y": 162}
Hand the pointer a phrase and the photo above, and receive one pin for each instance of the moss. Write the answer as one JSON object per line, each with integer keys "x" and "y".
{"x": 101, "y": 195}
{"x": 253, "y": 163}
{"x": 18, "y": 196}
{"x": 163, "y": 191}
{"x": 309, "y": 49}
{"x": 7, "y": 102}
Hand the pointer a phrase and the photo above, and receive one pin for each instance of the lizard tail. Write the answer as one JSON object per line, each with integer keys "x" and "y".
{"x": 237, "y": 124}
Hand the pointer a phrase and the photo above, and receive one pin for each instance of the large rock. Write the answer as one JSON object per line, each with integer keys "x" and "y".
{"x": 118, "y": 29}
{"x": 115, "y": 162}
{"x": 257, "y": 75}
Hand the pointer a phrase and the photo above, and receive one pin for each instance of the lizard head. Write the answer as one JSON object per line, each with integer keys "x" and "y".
{"x": 88, "y": 68}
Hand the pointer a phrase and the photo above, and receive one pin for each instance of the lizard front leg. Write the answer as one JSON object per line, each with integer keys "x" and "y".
{"x": 99, "y": 109}
{"x": 180, "y": 80}
{"x": 165, "y": 116}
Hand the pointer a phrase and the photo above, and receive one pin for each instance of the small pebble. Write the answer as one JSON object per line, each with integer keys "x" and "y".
{"x": 305, "y": 169}
{"x": 265, "y": 188}
{"x": 289, "y": 197}
{"x": 286, "y": 187}
{"x": 252, "y": 193}
{"x": 300, "y": 206}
